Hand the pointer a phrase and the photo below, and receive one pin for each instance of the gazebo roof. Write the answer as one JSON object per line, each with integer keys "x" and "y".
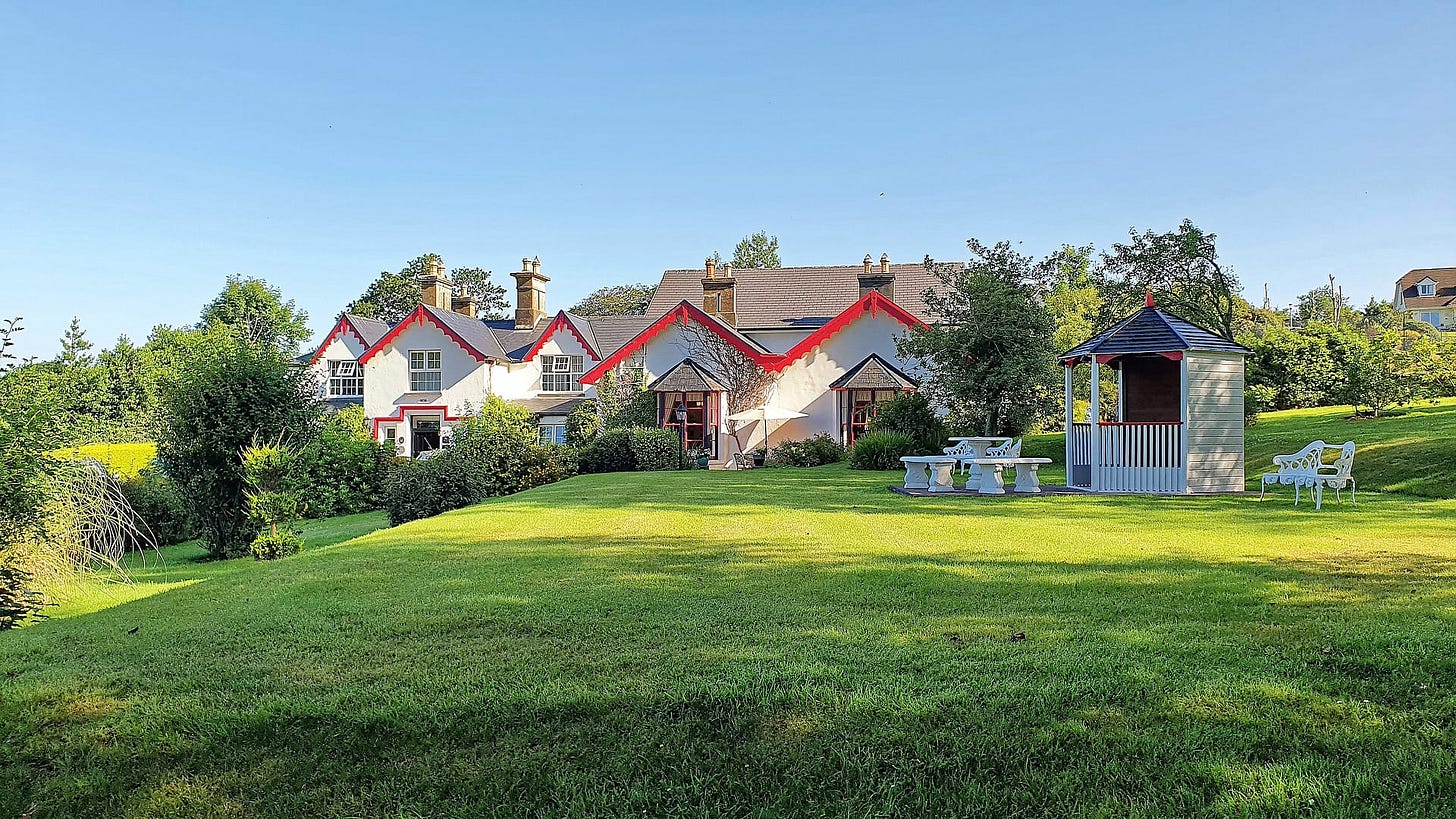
{"x": 687, "y": 376}
{"x": 873, "y": 373}
{"x": 1153, "y": 330}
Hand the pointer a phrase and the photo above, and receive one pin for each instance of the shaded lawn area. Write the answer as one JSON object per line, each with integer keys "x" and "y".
{"x": 767, "y": 643}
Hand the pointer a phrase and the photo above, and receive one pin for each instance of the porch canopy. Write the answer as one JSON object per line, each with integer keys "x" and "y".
{"x": 1179, "y": 407}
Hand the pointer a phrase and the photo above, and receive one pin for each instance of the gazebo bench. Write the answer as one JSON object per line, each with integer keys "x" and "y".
{"x": 933, "y": 473}
{"x": 991, "y": 482}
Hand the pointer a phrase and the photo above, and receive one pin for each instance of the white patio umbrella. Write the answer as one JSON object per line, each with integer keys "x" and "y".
{"x": 765, "y": 414}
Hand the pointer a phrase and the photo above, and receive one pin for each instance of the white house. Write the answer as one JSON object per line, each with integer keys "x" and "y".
{"x": 825, "y": 334}
{"x": 1429, "y": 294}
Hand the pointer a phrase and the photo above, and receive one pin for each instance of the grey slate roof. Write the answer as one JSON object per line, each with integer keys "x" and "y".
{"x": 793, "y": 297}
{"x": 611, "y": 332}
{"x": 371, "y": 329}
{"x": 687, "y": 376}
{"x": 1152, "y": 330}
{"x": 515, "y": 342}
{"x": 606, "y": 334}
{"x": 473, "y": 330}
{"x": 548, "y": 406}
{"x": 873, "y": 373}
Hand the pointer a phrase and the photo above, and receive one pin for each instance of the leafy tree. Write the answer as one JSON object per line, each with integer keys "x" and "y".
{"x": 255, "y": 313}
{"x": 128, "y": 373}
{"x": 989, "y": 353}
{"x": 490, "y": 298}
{"x": 1325, "y": 306}
{"x": 1073, "y": 299}
{"x": 1382, "y": 315}
{"x": 271, "y": 501}
{"x": 223, "y": 395}
{"x": 1377, "y": 377}
{"x": 616, "y": 300}
{"x": 1297, "y": 369}
{"x": 75, "y": 349}
{"x": 1182, "y": 270}
{"x": 394, "y": 295}
{"x": 758, "y": 250}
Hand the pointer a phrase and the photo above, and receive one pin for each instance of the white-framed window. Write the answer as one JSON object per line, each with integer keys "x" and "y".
{"x": 1426, "y": 289}
{"x": 561, "y": 373}
{"x": 553, "y": 433}
{"x": 1431, "y": 317}
{"x": 634, "y": 369}
{"x": 346, "y": 379}
{"x": 424, "y": 370}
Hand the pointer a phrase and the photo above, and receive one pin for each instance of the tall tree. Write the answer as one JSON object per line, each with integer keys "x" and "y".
{"x": 616, "y": 300}
{"x": 254, "y": 313}
{"x": 1181, "y": 268}
{"x": 75, "y": 348}
{"x": 758, "y": 250}
{"x": 8, "y": 329}
{"x": 988, "y": 355}
{"x": 394, "y": 295}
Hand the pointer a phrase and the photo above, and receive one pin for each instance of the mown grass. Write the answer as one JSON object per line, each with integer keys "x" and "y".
{"x": 776, "y": 642}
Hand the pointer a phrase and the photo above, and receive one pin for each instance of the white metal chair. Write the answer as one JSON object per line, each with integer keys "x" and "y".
{"x": 1306, "y": 468}
{"x": 962, "y": 452}
{"x": 1010, "y": 449}
{"x": 1336, "y": 475}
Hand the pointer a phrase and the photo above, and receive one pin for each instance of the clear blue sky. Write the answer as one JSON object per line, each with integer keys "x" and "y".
{"x": 148, "y": 150}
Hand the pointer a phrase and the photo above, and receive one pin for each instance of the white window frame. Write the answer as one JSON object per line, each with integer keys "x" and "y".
{"x": 344, "y": 384}
{"x": 1426, "y": 289}
{"x": 553, "y": 433}
{"x": 562, "y": 373}
{"x": 424, "y": 370}
{"x": 1431, "y": 317}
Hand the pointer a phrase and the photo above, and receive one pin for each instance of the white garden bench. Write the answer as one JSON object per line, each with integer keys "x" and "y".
{"x": 1306, "y": 468}
{"x": 992, "y": 483}
{"x": 933, "y": 473}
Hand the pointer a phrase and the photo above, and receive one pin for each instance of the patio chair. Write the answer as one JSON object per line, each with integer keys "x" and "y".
{"x": 1010, "y": 449}
{"x": 1336, "y": 475}
{"x": 742, "y": 460}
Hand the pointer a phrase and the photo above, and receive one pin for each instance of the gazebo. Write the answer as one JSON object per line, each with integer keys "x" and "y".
{"x": 1179, "y": 424}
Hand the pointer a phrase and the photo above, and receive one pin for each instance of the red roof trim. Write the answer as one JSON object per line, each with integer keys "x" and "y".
{"x": 440, "y": 408}
{"x": 420, "y": 314}
{"x": 339, "y": 327}
{"x": 556, "y": 324}
{"x": 684, "y": 312}
{"x": 873, "y": 303}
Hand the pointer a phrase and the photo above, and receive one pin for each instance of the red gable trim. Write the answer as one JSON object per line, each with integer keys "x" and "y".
{"x": 873, "y": 303}
{"x": 440, "y": 408}
{"x": 340, "y": 327}
{"x": 561, "y": 321}
{"x": 684, "y": 312}
{"x": 420, "y": 315}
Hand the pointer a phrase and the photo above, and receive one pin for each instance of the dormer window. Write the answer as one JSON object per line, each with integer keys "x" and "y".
{"x": 1426, "y": 288}
{"x": 346, "y": 379}
{"x": 561, "y": 373}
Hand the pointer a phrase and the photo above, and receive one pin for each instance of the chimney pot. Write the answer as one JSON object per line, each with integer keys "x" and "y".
{"x": 709, "y": 267}
{"x": 536, "y": 265}
{"x": 867, "y": 262}
{"x": 525, "y": 264}
{"x": 884, "y": 264}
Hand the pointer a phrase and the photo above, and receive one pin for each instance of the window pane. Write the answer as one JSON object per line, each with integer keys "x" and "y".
{"x": 417, "y": 359}
{"x": 433, "y": 360}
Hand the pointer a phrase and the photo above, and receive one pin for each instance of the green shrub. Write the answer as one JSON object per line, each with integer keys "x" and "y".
{"x": 158, "y": 503}
{"x": 911, "y": 415}
{"x": 583, "y": 425}
{"x": 880, "y": 450}
{"x": 640, "y": 410}
{"x": 342, "y": 470}
{"x": 18, "y": 599}
{"x": 1257, "y": 398}
{"x": 548, "y": 463}
{"x": 655, "y": 449}
{"x": 818, "y": 450}
{"x": 277, "y": 544}
{"x": 610, "y": 452}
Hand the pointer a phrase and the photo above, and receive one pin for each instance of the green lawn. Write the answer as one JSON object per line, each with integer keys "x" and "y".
{"x": 777, "y": 642}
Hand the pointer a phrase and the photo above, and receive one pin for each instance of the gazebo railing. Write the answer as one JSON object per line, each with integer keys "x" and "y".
{"x": 1139, "y": 457}
{"x": 1079, "y": 455}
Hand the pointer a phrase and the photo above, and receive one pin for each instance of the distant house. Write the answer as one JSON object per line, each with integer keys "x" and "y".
{"x": 825, "y": 334}
{"x": 1429, "y": 294}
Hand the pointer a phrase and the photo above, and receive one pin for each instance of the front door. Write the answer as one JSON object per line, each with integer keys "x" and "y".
{"x": 425, "y": 435}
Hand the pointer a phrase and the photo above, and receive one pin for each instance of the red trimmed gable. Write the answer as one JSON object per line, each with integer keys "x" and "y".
{"x": 420, "y": 315}
{"x": 340, "y": 327}
{"x": 874, "y": 303}
{"x": 558, "y": 323}
{"x": 684, "y": 312}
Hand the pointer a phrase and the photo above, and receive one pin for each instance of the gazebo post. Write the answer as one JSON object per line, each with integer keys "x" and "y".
{"x": 1067, "y": 367}
{"x": 1183, "y": 425}
{"x": 1094, "y": 416}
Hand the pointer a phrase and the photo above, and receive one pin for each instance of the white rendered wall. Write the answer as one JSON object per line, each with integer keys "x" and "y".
{"x": 345, "y": 347}
{"x": 386, "y": 374}
{"x": 524, "y": 380}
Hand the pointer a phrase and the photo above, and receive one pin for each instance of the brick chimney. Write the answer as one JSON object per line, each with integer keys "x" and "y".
{"x": 435, "y": 289}
{"x": 718, "y": 292}
{"x": 530, "y": 294}
{"x": 464, "y": 305}
{"x": 883, "y": 281}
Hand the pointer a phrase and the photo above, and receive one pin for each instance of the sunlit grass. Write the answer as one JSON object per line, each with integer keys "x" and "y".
{"x": 122, "y": 460}
{"x": 777, "y": 642}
